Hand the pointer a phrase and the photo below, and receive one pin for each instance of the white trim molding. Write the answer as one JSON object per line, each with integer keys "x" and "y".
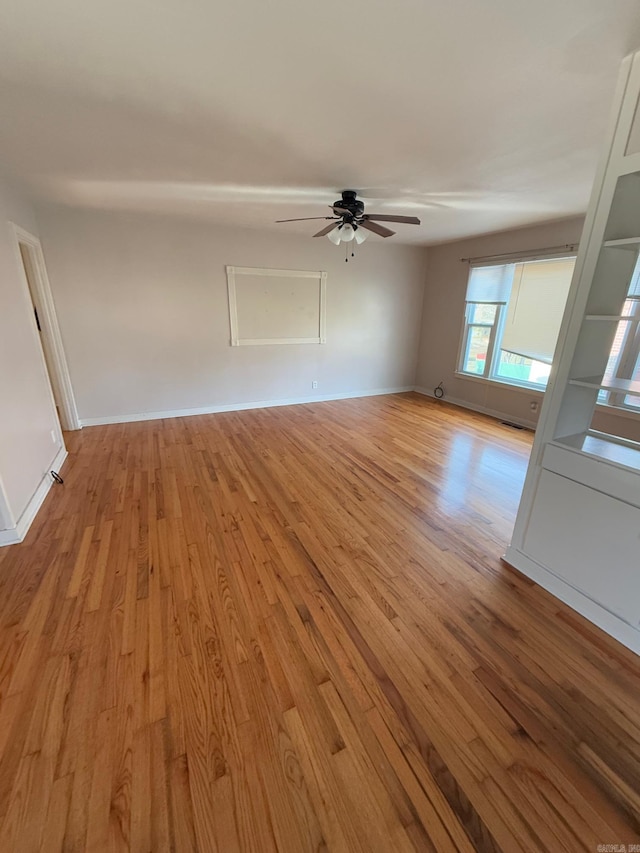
{"x": 240, "y": 407}
{"x": 319, "y": 276}
{"x": 493, "y": 413}
{"x": 51, "y": 339}
{"x": 505, "y": 416}
{"x": 16, "y": 534}
{"x": 7, "y": 521}
{"x": 498, "y": 383}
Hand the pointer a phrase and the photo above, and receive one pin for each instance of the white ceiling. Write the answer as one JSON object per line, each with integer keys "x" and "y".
{"x": 475, "y": 116}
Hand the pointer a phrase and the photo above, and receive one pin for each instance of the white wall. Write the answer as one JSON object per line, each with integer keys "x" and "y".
{"x": 443, "y": 315}
{"x": 142, "y": 305}
{"x": 143, "y": 310}
{"x": 27, "y": 412}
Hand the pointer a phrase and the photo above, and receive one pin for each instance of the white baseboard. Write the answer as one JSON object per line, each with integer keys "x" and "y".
{"x": 9, "y": 537}
{"x": 238, "y": 407}
{"x": 16, "y": 534}
{"x": 609, "y": 622}
{"x": 493, "y": 413}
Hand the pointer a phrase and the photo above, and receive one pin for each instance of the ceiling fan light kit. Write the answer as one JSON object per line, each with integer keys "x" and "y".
{"x": 350, "y": 222}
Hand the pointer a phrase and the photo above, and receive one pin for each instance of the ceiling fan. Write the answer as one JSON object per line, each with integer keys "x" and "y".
{"x": 350, "y": 222}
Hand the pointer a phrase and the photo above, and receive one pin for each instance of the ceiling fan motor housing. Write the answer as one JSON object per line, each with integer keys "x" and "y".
{"x": 349, "y": 203}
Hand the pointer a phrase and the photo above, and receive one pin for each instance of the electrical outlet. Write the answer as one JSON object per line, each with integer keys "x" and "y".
{"x": 54, "y": 438}
{"x": 534, "y": 405}
{"x": 314, "y": 384}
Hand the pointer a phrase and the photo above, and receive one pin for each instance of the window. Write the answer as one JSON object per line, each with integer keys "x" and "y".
{"x": 624, "y": 361}
{"x": 512, "y": 319}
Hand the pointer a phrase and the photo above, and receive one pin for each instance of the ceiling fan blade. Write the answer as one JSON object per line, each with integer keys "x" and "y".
{"x": 326, "y": 230}
{"x": 377, "y": 229}
{"x": 384, "y": 217}
{"x": 304, "y": 219}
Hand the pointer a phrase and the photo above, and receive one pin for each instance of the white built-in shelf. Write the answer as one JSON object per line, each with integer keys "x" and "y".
{"x": 626, "y": 243}
{"x": 602, "y": 446}
{"x": 577, "y": 527}
{"x": 611, "y": 318}
{"x": 624, "y": 386}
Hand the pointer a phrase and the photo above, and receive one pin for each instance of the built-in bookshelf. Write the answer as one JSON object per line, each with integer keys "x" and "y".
{"x": 578, "y": 526}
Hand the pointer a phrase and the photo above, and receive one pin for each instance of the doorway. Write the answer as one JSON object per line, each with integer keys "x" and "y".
{"x": 35, "y": 273}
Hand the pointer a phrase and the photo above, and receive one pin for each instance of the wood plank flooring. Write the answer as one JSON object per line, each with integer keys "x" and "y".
{"x": 290, "y": 630}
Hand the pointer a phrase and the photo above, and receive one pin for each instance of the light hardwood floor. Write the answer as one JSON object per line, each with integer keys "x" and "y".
{"x": 290, "y": 629}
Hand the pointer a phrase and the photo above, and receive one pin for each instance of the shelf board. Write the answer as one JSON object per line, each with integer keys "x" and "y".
{"x": 626, "y": 243}
{"x": 624, "y": 386}
{"x": 612, "y": 318}
{"x": 611, "y": 449}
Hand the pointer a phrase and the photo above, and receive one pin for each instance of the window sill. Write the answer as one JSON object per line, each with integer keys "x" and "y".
{"x": 532, "y": 389}
{"x": 512, "y": 386}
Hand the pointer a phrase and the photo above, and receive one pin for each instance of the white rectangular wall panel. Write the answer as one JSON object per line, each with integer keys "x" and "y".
{"x": 270, "y": 306}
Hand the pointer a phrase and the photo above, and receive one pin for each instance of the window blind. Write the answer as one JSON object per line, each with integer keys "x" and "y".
{"x": 538, "y": 297}
{"x": 490, "y": 284}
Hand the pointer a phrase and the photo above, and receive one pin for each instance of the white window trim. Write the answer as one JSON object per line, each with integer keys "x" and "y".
{"x": 489, "y": 374}
{"x": 501, "y": 383}
{"x": 490, "y": 367}
{"x": 495, "y": 327}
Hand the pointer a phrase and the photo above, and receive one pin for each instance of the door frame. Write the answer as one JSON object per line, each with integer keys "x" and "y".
{"x": 51, "y": 339}
{"x": 7, "y": 521}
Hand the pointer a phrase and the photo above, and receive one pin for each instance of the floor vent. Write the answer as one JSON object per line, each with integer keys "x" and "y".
{"x": 513, "y": 426}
